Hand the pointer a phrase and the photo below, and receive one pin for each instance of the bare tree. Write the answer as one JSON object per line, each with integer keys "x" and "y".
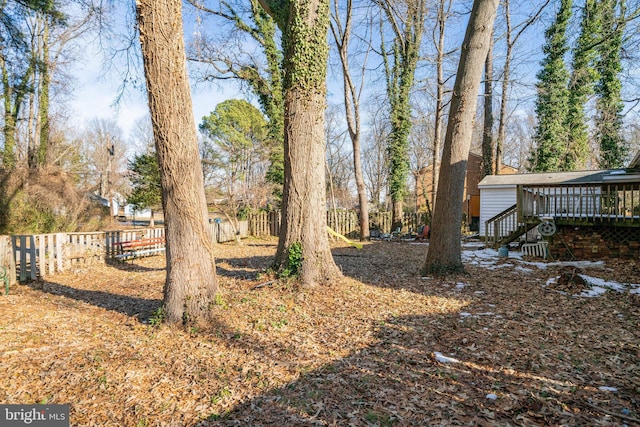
{"x": 191, "y": 283}
{"x": 338, "y": 159}
{"x": 420, "y": 154}
{"x": 510, "y": 39}
{"x": 376, "y": 161}
{"x": 104, "y": 158}
{"x": 444, "y": 7}
{"x": 352, "y": 93}
{"x": 444, "y": 253}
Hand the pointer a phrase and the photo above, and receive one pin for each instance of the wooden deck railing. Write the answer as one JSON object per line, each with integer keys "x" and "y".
{"x": 588, "y": 203}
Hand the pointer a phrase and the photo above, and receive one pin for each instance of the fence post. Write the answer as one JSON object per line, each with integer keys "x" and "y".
{"x": 7, "y": 258}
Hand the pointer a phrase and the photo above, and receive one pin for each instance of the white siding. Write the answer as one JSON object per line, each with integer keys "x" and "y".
{"x": 494, "y": 200}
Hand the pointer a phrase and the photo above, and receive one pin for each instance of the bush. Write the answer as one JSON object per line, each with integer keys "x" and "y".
{"x": 45, "y": 201}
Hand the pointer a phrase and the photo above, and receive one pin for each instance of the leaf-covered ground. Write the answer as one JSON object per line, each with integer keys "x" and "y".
{"x": 510, "y": 343}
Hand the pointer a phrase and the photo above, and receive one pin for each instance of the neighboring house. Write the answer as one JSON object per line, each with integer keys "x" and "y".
{"x": 471, "y": 199}
{"x": 585, "y": 214}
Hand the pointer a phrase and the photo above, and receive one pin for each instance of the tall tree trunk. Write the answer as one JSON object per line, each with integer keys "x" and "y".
{"x": 304, "y": 200}
{"x": 407, "y": 21}
{"x": 444, "y": 253}
{"x": 304, "y": 224}
{"x": 190, "y": 285}
{"x": 487, "y": 134}
{"x": 506, "y": 76}
{"x": 437, "y": 137}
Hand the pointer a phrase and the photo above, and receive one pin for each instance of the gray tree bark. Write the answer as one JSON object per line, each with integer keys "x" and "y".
{"x": 444, "y": 253}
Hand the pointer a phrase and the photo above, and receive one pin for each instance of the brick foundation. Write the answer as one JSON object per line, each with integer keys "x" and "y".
{"x": 590, "y": 243}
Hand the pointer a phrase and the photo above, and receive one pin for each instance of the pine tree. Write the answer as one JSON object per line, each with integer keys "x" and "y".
{"x": 608, "y": 121}
{"x": 583, "y": 77}
{"x": 553, "y": 97}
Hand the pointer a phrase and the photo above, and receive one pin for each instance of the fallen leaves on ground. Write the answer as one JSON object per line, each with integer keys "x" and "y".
{"x": 383, "y": 346}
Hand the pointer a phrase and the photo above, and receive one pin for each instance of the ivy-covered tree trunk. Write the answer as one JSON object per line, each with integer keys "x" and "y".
{"x": 9, "y": 132}
{"x": 43, "y": 104}
{"x": 583, "y": 76}
{"x": 553, "y": 97}
{"x": 407, "y": 20}
{"x": 264, "y": 78}
{"x": 190, "y": 285}
{"x": 445, "y": 252}
{"x": 303, "y": 246}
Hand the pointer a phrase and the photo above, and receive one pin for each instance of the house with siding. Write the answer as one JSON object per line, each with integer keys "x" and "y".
{"x": 589, "y": 214}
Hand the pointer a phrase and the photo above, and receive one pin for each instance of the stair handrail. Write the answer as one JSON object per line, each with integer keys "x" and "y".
{"x": 493, "y": 226}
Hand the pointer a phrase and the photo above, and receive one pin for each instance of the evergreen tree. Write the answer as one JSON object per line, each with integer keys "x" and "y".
{"x": 608, "y": 121}
{"x": 146, "y": 191}
{"x": 553, "y": 97}
{"x": 583, "y": 77}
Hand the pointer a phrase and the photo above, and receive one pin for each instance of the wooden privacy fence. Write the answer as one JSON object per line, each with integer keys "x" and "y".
{"x": 225, "y": 232}
{"x": 343, "y": 221}
{"x": 28, "y": 257}
{"x": 264, "y": 223}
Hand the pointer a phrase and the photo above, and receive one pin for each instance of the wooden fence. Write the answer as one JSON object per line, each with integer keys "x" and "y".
{"x": 7, "y": 263}
{"x": 344, "y": 222}
{"x": 264, "y": 223}
{"x": 29, "y": 257}
{"x": 225, "y": 231}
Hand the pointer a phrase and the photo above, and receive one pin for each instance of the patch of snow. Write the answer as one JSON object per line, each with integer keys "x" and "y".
{"x": 603, "y": 283}
{"x": 579, "y": 264}
{"x": 465, "y": 314}
{"x": 460, "y": 286}
{"x": 492, "y": 396}
{"x": 473, "y": 245}
{"x": 477, "y": 254}
{"x": 444, "y": 359}
{"x": 606, "y": 388}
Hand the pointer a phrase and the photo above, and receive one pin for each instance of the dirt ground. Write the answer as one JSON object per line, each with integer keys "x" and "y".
{"x": 512, "y": 342}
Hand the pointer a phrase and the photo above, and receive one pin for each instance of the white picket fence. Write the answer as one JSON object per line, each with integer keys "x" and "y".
{"x": 33, "y": 256}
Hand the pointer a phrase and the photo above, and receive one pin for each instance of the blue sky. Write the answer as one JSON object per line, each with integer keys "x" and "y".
{"x": 96, "y": 90}
{"x": 96, "y": 95}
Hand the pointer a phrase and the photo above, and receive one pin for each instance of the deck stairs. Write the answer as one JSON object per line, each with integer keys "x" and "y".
{"x": 505, "y": 228}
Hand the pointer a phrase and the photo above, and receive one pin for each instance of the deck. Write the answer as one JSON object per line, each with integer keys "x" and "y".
{"x": 608, "y": 204}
